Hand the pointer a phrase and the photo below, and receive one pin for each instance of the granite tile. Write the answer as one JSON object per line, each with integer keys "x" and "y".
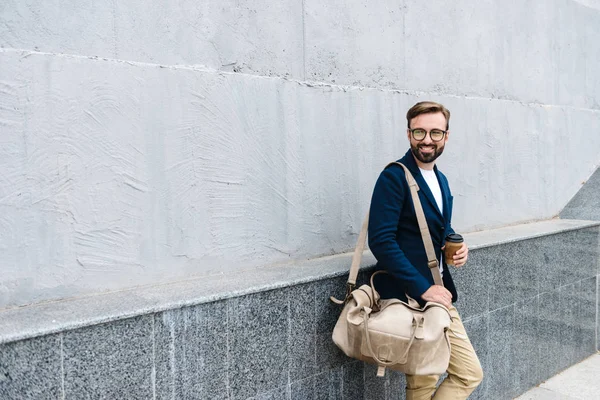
{"x": 303, "y": 389}
{"x": 327, "y": 312}
{"x": 598, "y": 252}
{"x": 581, "y": 247}
{"x": 374, "y": 386}
{"x": 513, "y": 270}
{"x": 395, "y": 387}
{"x": 569, "y": 325}
{"x": 554, "y": 257}
{"x": 441, "y": 379}
{"x": 190, "y": 352}
{"x": 527, "y": 264}
{"x": 301, "y": 341}
{"x": 165, "y": 366}
{"x": 324, "y": 386}
{"x": 109, "y": 361}
{"x": 477, "y": 330}
{"x": 502, "y": 274}
{"x": 500, "y": 370}
{"x": 257, "y": 343}
{"x": 328, "y": 355}
{"x": 353, "y": 387}
{"x": 282, "y": 393}
{"x": 586, "y": 297}
{"x": 550, "y": 353}
{"x": 525, "y": 345}
{"x": 31, "y": 369}
{"x": 328, "y": 385}
{"x": 568, "y": 257}
{"x": 473, "y": 282}
{"x": 598, "y": 313}
{"x": 585, "y": 203}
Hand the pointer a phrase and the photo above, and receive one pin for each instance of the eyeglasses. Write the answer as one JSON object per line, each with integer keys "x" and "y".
{"x": 435, "y": 134}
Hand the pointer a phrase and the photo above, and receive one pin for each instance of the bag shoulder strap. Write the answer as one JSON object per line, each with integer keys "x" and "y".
{"x": 432, "y": 261}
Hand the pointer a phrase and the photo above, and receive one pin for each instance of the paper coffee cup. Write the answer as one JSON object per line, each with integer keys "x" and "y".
{"x": 454, "y": 242}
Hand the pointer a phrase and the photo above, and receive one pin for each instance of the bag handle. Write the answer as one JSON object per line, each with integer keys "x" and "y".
{"x": 432, "y": 261}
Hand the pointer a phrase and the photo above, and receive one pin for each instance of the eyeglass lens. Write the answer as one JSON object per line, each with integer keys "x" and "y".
{"x": 435, "y": 134}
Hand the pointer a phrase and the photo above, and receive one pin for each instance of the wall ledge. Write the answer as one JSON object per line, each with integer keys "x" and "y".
{"x": 57, "y": 316}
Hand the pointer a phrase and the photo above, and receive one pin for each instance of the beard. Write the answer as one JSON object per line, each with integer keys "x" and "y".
{"x": 428, "y": 157}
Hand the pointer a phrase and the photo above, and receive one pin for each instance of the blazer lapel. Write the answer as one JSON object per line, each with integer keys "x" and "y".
{"x": 445, "y": 196}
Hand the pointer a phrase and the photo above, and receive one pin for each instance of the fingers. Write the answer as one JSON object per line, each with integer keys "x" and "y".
{"x": 446, "y": 301}
{"x": 463, "y": 250}
{"x": 442, "y": 295}
{"x": 461, "y": 256}
{"x": 460, "y": 261}
{"x": 438, "y": 294}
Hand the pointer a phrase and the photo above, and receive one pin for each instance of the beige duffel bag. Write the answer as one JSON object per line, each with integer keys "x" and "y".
{"x": 389, "y": 332}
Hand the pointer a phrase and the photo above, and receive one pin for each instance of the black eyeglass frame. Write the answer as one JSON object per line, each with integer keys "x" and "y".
{"x": 412, "y": 133}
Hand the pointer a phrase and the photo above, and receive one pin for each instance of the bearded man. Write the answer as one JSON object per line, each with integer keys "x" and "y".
{"x": 395, "y": 241}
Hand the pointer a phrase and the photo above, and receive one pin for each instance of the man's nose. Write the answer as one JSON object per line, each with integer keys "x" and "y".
{"x": 427, "y": 138}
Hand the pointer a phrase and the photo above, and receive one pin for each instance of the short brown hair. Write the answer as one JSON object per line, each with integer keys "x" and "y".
{"x": 427, "y": 107}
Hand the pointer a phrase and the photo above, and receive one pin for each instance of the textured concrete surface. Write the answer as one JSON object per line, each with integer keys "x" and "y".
{"x": 579, "y": 382}
{"x": 549, "y": 60}
{"x": 150, "y": 144}
{"x": 258, "y": 37}
{"x": 586, "y": 203}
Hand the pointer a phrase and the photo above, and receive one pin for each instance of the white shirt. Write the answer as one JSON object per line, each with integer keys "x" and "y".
{"x": 434, "y": 186}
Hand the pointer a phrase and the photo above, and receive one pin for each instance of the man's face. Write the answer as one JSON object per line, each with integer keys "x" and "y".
{"x": 427, "y": 150}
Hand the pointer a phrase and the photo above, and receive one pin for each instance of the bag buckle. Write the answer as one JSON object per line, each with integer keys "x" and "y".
{"x": 349, "y": 289}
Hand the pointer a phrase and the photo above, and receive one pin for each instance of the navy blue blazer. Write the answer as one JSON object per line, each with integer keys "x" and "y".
{"x": 394, "y": 236}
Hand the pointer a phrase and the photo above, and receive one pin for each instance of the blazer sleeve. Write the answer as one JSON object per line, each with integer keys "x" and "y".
{"x": 388, "y": 198}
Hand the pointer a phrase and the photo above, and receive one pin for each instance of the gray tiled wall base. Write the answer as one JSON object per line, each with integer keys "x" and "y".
{"x": 530, "y": 309}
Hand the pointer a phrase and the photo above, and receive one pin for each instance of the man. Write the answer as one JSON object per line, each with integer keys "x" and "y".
{"x": 396, "y": 242}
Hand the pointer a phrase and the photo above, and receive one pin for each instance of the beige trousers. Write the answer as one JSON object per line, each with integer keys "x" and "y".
{"x": 464, "y": 370}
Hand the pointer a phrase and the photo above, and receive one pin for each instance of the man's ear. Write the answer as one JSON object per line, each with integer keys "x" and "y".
{"x": 408, "y": 134}
{"x": 447, "y": 136}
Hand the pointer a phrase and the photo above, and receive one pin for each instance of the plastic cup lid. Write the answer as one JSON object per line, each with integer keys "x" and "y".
{"x": 454, "y": 238}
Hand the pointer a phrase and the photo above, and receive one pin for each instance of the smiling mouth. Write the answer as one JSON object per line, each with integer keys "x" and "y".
{"x": 427, "y": 149}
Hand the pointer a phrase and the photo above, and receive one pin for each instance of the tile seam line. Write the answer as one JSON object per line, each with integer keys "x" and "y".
{"x": 62, "y": 365}
{"x": 314, "y": 84}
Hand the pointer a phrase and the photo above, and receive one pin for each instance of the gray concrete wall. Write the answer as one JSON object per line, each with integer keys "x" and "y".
{"x": 144, "y": 144}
